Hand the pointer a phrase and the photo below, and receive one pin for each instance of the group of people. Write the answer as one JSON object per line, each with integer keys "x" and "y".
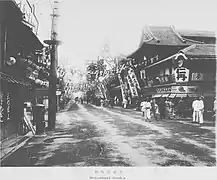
{"x": 160, "y": 109}
{"x": 165, "y": 109}
{"x": 147, "y": 106}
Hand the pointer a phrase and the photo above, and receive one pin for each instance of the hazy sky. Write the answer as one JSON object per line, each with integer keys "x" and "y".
{"x": 86, "y": 25}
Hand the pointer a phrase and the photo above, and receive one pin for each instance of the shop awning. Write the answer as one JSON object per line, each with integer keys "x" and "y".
{"x": 165, "y": 95}
{"x": 193, "y": 95}
{"x": 157, "y": 95}
{"x": 172, "y": 95}
{"x": 209, "y": 94}
{"x": 181, "y": 95}
{"x": 11, "y": 79}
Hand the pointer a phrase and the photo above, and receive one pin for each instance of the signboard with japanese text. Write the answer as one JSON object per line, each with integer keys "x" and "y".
{"x": 197, "y": 77}
{"x": 163, "y": 90}
{"x": 133, "y": 89}
{"x": 134, "y": 78}
{"x": 181, "y": 74}
{"x": 185, "y": 89}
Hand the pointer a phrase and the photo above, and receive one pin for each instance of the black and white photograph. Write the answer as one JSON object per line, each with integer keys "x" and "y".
{"x": 107, "y": 83}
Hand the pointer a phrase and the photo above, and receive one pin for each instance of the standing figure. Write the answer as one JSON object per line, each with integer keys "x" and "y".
{"x": 125, "y": 103}
{"x": 198, "y": 109}
{"x": 167, "y": 108}
{"x": 143, "y": 105}
{"x": 148, "y": 111}
{"x": 195, "y": 110}
{"x": 156, "y": 111}
{"x": 181, "y": 108}
{"x": 201, "y": 109}
{"x": 162, "y": 109}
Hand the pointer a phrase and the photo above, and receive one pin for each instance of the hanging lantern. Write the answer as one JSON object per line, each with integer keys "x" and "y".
{"x": 11, "y": 61}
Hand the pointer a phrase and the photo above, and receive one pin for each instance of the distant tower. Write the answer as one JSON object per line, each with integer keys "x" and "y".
{"x": 106, "y": 56}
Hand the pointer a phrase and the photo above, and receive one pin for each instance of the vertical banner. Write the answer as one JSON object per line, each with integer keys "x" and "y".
{"x": 134, "y": 78}
{"x": 132, "y": 86}
{"x": 122, "y": 87}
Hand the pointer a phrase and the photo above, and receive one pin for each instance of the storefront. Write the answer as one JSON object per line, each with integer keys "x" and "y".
{"x": 17, "y": 41}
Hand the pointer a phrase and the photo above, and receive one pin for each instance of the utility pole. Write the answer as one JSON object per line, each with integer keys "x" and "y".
{"x": 53, "y": 43}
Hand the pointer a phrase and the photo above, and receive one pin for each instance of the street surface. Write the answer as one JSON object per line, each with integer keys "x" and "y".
{"x": 87, "y": 135}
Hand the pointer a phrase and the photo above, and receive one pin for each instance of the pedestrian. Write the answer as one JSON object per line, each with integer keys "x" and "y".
{"x": 142, "y": 105}
{"x": 201, "y": 109}
{"x": 162, "y": 108}
{"x": 198, "y": 109}
{"x": 181, "y": 108}
{"x": 125, "y": 103}
{"x": 155, "y": 110}
{"x": 195, "y": 110}
{"x": 148, "y": 110}
{"x": 167, "y": 107}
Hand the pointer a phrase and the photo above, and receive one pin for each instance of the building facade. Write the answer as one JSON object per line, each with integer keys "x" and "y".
{"x": 172, "y": 66}
{"x": 18, "y": 62}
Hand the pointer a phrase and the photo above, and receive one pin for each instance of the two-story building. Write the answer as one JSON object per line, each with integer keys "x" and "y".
{"x": 158, "y": 44}
{"x": 169, "y": 64}
{"x": 18, "y": 42}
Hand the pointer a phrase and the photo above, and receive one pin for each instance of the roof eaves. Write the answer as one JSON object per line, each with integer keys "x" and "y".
{"x": 153, "y": 37}
{"x": 193, "y": 41}
{"x": 185, "y": 50}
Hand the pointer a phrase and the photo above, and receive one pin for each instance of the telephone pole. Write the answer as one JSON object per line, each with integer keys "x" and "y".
{"x": 53, "y": 43}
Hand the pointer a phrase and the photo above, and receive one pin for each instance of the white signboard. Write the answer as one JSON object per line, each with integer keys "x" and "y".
{"x": 134, "y": 79}
{"x": 181, "y": 74}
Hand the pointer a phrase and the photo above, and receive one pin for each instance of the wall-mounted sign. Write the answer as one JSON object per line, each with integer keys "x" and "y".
{"x": 181, "y": 74}
{"x": 203, "y": 76}
{"x": 185, "y": 89}
{"x": 154, "y": 59}
{"x": 197, "y": 77}
{"x": 163, "y": 90}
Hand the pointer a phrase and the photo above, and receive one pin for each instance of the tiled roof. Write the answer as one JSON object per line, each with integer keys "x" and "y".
{"x": 164, "y": 35}
{"x": 194, "y": 33}
{"x": 200, "y": 50}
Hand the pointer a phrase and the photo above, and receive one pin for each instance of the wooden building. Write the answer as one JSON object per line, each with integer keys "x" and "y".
{"x": 18, "y": 42}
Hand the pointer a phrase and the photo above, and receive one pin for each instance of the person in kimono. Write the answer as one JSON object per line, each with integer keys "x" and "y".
{"x": 146, "y": 109}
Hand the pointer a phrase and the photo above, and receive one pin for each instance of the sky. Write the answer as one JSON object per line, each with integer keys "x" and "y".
{"x": 85, "y": 26}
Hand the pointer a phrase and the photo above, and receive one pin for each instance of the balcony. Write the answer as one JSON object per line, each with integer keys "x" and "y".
{"x": 159, "y": 80}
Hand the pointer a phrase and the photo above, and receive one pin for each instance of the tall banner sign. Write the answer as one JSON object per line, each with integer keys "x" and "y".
{"x": 133, "y": 89}
{"x": 132, "y": 75}
{"x": 122, "y": 87}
